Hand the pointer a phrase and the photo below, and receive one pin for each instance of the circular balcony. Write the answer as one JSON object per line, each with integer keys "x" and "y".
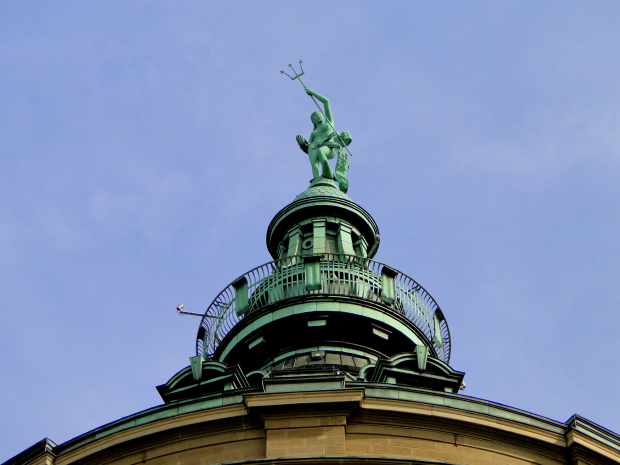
{"x": 327, "y": 274}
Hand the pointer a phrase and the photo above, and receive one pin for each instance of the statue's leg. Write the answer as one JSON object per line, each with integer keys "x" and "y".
{"x": 315, "y": 171}
{"x": 314, "y": 162}
{"x": 327, "y": 170}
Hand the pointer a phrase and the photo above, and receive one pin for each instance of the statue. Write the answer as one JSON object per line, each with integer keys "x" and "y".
{"x": 324, "y": 143}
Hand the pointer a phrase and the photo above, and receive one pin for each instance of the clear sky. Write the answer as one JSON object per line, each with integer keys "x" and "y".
{"x": 146, "y": 145}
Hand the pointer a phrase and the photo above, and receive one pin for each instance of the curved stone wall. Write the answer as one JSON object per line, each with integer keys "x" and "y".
{"x": 372, "y": 425}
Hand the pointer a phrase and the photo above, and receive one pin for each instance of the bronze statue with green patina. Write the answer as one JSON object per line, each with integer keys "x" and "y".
{"x": 325, "y": 142}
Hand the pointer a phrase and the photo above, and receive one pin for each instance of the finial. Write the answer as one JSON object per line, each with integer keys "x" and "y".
{"x": 325, "y": 142}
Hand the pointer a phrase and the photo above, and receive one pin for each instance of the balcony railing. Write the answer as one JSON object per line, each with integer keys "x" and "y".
{"x": 327, "y": 274}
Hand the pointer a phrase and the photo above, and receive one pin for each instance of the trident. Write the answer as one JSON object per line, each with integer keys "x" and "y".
{"x": 298, "y": 76}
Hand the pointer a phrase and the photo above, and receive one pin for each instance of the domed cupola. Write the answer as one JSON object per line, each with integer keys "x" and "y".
{"x": 322, "y": 219}
{"x": 323, "y": 307}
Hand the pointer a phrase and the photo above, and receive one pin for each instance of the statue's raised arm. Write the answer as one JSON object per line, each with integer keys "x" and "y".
{"x": 325, "y": 101}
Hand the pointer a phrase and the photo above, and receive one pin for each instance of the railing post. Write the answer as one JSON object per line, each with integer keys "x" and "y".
{"x": 241, "y": 296}
{"x": 437, "y": 337}
{"x": 312, "y": 265}
{"x": 388, "y": 288}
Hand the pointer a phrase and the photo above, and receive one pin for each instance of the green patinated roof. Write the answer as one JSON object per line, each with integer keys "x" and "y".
{"x": 323, "y": 188}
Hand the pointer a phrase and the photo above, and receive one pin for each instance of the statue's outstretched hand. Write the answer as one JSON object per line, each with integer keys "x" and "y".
{"x": 303, "y": 145}
{"x": 309, "y": 92}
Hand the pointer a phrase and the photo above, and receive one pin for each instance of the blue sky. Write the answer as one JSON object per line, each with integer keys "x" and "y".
{"x": 145, "y": 147}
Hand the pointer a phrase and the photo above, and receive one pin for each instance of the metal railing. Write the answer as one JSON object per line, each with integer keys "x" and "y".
{"x": 328, "y": 274}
